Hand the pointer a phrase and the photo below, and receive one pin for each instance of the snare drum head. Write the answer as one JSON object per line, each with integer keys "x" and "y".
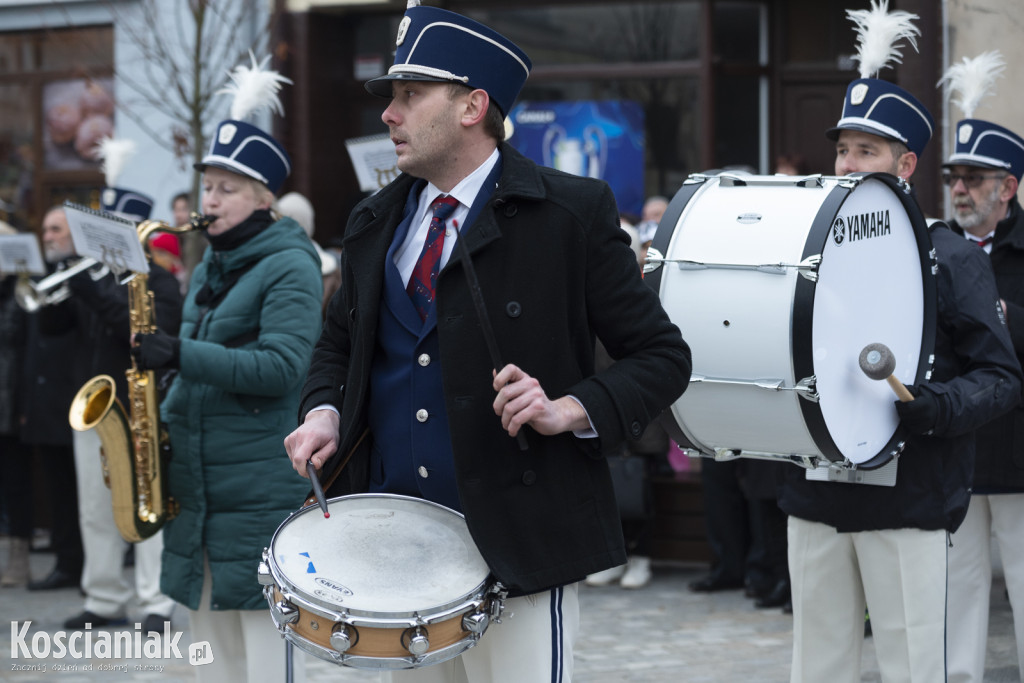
{"x": 379, "y": 555}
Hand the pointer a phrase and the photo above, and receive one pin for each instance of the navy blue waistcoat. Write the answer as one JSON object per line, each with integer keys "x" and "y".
{"x": 407, "y": 409}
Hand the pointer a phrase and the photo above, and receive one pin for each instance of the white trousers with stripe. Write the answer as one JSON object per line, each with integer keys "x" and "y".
{"x": 534, "y": 642}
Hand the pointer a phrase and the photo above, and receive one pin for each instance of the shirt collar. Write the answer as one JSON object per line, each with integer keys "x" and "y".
{"x": 469, "y": 187}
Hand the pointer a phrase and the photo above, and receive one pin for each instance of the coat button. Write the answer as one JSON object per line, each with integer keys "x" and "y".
{"x": 424, "y": 359}
{"x": 511, "y": 210}
{"x": 635, "y": 429}
{"x": 529, "y": 477}
{"x": 513, "y": 309}
{"x": 422, "y": 415}
{"x": 423, "y": 472}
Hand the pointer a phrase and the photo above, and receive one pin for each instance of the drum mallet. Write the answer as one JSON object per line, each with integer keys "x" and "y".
{"x": 877, "y": 362}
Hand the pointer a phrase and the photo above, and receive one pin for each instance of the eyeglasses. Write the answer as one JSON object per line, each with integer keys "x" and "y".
{"x": 971, "y": 180}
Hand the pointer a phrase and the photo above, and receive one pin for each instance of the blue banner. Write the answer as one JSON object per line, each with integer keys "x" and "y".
{"x": 597, "y": 139}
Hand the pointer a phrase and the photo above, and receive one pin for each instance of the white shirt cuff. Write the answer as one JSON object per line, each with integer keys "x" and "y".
{"x": 584, "y": 433}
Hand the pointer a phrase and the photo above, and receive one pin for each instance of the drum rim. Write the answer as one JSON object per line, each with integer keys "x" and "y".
{"x": 363, "y": 616}
{"x": 803, "y": 301}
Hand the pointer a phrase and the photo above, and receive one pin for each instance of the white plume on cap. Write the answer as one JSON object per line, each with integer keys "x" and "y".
{"x": 115, "y": 155}
{"x": 878, "y": 31}
{"x": 412, "y": 3}
{"x": 254, "y": 88}
{"x": 973, "y": 79}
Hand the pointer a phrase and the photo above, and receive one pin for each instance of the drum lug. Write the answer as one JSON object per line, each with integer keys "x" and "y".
{"x": 418, "y": 643}
{"x": 654, "y": 260}
{"x": 477, "y": 622}
{"x": 497, "y": 603}
{"x": 807, "y": 388}
{"x": 284, "y": 612}
{"x": 809, "y": 267}
{"x": 263, "y": 574}
{"x": 341, "y": 638}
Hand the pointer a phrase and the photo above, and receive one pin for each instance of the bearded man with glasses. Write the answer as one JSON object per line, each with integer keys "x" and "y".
{"x": 983, "y": 174}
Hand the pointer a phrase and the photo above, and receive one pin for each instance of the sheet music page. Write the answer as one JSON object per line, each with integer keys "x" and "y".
{"x": 21, "y": 254}
{"x": 374, "y": 160}
{"x": 106, "y": 237}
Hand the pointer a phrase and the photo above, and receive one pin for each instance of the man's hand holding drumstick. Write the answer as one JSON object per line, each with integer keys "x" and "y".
{"x": 918, "y": 407}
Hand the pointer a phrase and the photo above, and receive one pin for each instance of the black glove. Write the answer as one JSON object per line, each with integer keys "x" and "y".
{"x": 156, "y": 351}
{"x": 920, "y": 415}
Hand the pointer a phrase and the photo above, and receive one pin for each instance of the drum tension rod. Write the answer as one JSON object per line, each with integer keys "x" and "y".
{"x": 808, "y": 267}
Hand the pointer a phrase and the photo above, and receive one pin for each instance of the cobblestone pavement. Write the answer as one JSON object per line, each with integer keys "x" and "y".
{"x": 656, "y": 634}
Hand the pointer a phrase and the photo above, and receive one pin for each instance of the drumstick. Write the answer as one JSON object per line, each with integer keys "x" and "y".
{"x": 877, "y": 362}
{"x": 485, "y": 321}
{"x": 318, "y": 490}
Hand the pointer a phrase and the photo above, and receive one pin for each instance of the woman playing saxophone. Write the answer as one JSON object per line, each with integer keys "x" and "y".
{"x": 251, "y": 317}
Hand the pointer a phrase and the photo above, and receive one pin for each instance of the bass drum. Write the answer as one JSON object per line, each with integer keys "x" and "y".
{"x": 778, "y": 283}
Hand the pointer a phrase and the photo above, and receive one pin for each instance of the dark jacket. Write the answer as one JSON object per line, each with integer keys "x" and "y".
{"x": 12, "y": 348}
{"x": 97, "y": 313}
{"x": 229, "y": 410}
{"x": 555, "y": 271}
{"x": 999, "y": 462}
{"x": 49, "y": 385}
{"x": 975, "y": 375}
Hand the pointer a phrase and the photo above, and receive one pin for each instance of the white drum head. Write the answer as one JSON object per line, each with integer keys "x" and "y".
{"x": 870, "y": 289}
{"x": 379, "y": 555}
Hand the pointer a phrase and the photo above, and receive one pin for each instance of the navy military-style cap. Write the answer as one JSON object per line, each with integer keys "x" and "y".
{"x": 887, "y": 110}
{"x": 437, "y": 45}
{"x": 987, "y": 145}
{"x": 128, "y": 203}
{"x": 243, "y": 148}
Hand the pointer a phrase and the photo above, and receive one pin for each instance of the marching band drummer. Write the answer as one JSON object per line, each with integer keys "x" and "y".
{"x": 248, "y": 326}
{"x": 852, "y": 545}
{"x": 412, "y": 367}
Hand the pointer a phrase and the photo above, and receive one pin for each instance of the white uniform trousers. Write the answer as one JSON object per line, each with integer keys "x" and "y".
{"x": 534, "y": 642}
{"x": 245, "y": 644}
{"x": 970, "y": 581}
{"x": 107, "y": 592}
{"x": 899, "y": 574}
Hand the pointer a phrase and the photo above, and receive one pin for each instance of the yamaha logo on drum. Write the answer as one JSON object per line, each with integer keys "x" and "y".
{"x": 861, "y": 226}
{"x": 839, "y": 231}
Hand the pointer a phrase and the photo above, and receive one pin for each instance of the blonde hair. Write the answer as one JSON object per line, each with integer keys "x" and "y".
{"x": 261, "y": 192}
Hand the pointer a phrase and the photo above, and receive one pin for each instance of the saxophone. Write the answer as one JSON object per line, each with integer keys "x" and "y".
{"x": 135, "y": 447}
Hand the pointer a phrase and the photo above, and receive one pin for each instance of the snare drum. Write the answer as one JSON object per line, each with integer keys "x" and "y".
{"x": 778, "y": 283}
{"x": 387, "y": 582}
